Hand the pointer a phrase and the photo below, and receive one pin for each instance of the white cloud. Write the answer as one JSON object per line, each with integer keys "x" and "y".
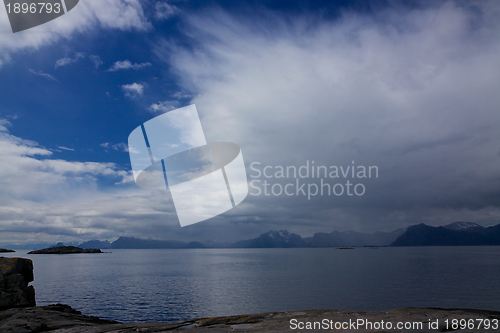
{"x": 65, "y": 148}
{"x": 52, "y": 197}
{"x": 86, "y": 16}
{"x": 182, "y": 95}
{"x": 42, "y": 74}
{"x": 173, "y": 104}
{"x": 164, "y": 11}
{"x": 165, "y": 106}
{"x": 22, "y": 171}
{"x": 120, "y": 65}
{"x": 119, "y": 146}
{"x": 47, "y": 200}
{"x": 67, "y": 60}
{"x": 133, "y": 89}
{"x": 3, "y": 125}
{"x": 96, "y": 60}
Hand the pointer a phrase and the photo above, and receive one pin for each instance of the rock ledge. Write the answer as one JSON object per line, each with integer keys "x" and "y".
{"x": 63, "y": 319}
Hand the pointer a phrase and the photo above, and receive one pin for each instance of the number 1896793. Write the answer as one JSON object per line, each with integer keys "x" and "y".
{"x": 33, "y": 8}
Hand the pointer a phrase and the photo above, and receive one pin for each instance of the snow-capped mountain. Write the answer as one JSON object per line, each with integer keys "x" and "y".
{"x": 464, "y": 226}
{"x": 458, "y": 233}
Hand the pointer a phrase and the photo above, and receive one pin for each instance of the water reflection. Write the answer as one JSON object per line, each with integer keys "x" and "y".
{"x": 170, "y": 285}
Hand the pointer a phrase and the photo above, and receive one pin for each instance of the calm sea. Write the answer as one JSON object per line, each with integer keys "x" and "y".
{"x": 172, "y": 285}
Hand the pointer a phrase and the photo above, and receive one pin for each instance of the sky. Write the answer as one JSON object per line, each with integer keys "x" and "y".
{"x": 410, "y": 87}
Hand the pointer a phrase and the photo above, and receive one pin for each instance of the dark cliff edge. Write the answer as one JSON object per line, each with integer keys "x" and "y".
{"x": 15, "y": 276}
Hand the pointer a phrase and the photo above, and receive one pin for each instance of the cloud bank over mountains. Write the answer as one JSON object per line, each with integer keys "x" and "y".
{"x": 413, "y": 91}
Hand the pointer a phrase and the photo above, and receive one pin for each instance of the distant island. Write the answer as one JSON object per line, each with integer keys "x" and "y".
{"x": 64, "y": 250}
{"x": 454, "y": 234}
{"x": 5, "y": 251}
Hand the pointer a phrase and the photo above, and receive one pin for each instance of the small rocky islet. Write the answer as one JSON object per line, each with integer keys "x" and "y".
{"x": 64, "y": 250}
{"x": 19, "y": 314}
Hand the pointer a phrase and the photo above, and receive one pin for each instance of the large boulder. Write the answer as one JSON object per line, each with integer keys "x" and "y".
{"x": 15, "y": 276}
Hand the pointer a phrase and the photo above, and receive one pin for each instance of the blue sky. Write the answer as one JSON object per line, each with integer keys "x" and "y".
{"x": 408, "y": 86}
{"x": 82, "y": 105}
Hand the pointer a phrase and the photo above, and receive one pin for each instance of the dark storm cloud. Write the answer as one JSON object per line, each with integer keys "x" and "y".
{"x": 412, "y": 91}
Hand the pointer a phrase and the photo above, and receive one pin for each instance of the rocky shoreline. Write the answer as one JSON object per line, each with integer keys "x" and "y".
{"x": 62, "y": 319}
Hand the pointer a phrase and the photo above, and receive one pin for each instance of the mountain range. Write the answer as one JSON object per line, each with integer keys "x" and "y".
{"x": 458, "y": 233}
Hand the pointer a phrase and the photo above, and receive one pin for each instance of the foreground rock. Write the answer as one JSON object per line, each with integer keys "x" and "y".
{"x": 5, "y": 251}
{"x": 46, "y": 319}
{"x": 15, "y": 275}
{"x": 62, "y": 319}
{"x": 64, "y": 250}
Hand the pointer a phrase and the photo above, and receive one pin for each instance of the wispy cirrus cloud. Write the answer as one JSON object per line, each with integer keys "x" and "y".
{"x": 96, "y": 60}
{"x": 164, "y": 10}
{"x": 123, "y": 65}
{"x": 123, "y": 147}
{"x": 3, "y": 124}
{"x": 42, "y": 74}
{"x": 69, "y": 60}
{"x": 126, "y": 15}
{"x": 65, "y": 148}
